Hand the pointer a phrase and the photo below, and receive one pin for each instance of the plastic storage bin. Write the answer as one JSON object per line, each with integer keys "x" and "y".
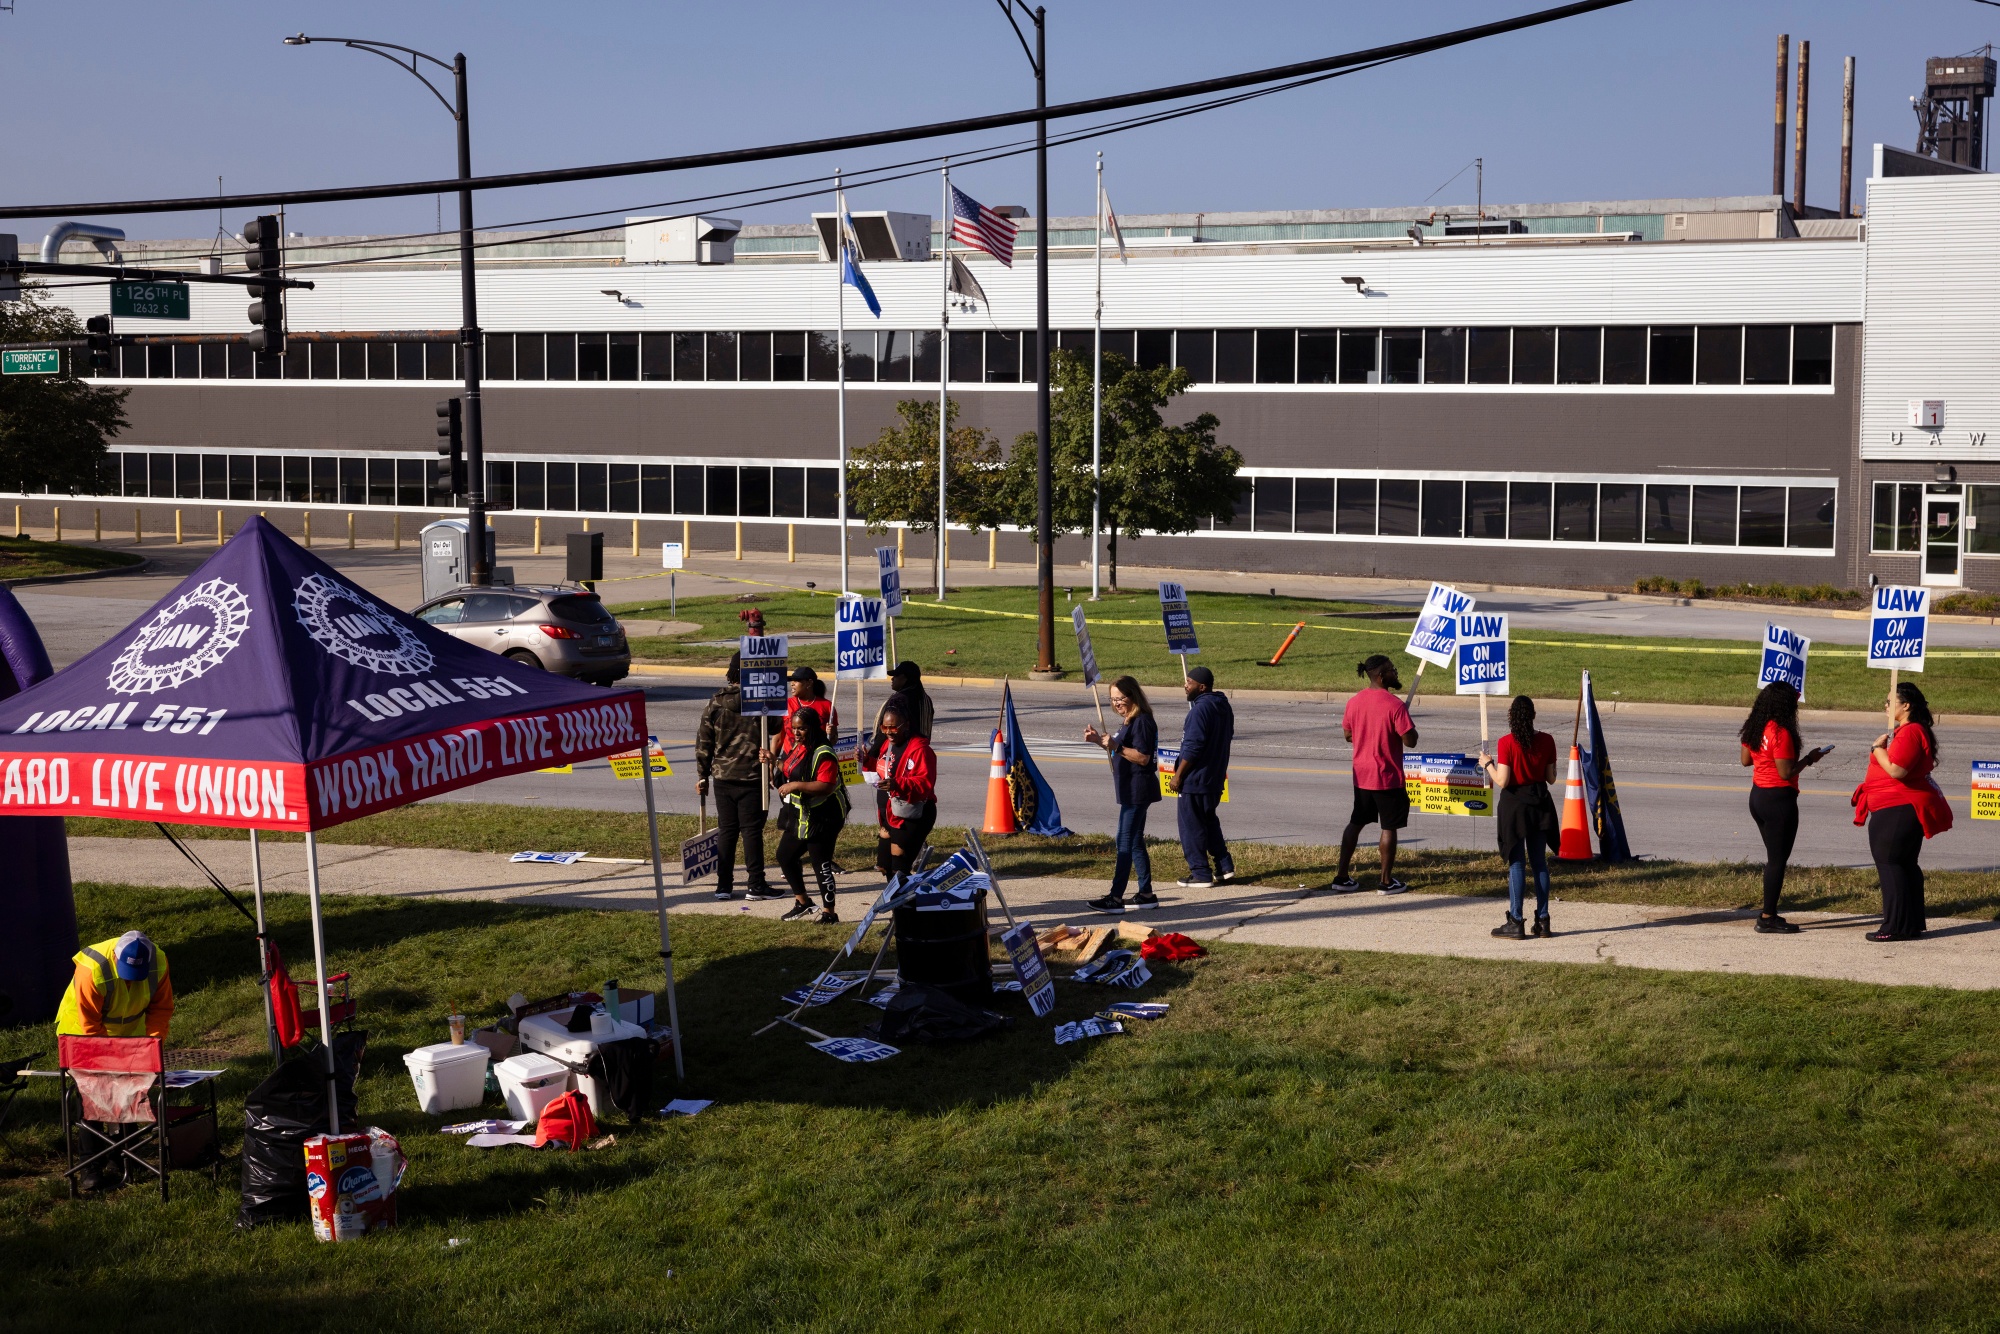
{"x": 530, "y": 1082}
{"x": 448, "y": 1077}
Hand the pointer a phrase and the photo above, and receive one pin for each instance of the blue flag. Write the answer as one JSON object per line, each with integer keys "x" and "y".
{"x": 1599, "y": 789}
{"x": 850, "y": 271}
{"x": 1035, "y": 808}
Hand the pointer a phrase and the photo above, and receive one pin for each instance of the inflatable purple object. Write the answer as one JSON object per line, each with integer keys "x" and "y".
{"x": 35, "y": 899}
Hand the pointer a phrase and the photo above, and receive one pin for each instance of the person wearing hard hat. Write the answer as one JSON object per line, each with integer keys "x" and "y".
{"x": 121, "y": 990}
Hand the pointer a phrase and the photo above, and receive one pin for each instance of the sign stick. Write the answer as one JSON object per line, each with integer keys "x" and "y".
{"x": 1183, "y": 658}
{"x": 702, "y": 828}
{"x": 1482, "y": 721}
{"x": 1095, "y": 699}
{"x": 763, "y": 748}
{"x": 1415, "y": 681}
{"x": 893, "y": 659}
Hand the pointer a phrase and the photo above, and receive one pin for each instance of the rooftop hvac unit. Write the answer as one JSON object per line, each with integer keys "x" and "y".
{"x": 689, "y": 240}
{"x": 883, "y": 235}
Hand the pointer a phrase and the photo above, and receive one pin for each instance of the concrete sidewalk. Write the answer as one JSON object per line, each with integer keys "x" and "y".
{"x": 1956, "y": 953}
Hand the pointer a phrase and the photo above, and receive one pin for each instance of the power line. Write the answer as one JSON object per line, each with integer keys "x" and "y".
{"x": 803, "y": 148}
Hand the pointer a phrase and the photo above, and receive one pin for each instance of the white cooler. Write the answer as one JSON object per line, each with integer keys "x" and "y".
{"x": 530, "y": 1082}
{"x": 547, "y": 1033}
{"x": 448, "y": 1077}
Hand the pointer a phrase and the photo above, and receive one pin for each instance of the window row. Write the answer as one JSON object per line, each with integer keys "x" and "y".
{"x": 1671, "y": 513}
{"x": 730, "y": 491}
{"x": 1716, "y": 355}
{"x": 1899, "y": 523}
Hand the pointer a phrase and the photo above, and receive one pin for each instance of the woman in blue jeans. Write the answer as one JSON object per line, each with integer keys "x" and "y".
{"x": 1135, "y": 779}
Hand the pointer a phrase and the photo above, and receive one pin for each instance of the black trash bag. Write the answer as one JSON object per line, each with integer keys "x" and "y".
{"x": 927, "y": 1014}
{"x": 279, "y": 1116}
{"x": 624, "y": 1070}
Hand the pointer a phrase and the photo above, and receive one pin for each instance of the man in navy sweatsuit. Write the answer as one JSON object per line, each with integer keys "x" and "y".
{"x": 1198, "y": 777}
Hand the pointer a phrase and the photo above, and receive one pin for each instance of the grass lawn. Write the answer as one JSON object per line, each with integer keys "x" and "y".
{"x": 26, "y": 558}
{"x": 1309, "y": 1140}
{"x": 990, "y": 632}
{"x": 484, "y": 827}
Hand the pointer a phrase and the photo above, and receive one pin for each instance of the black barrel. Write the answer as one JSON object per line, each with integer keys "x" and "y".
{"x": 946, "y": 950}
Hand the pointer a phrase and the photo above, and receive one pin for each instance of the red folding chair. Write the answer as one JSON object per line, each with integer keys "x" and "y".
{"x": 116, "y": 1110}
{"x": 340, "y": 1004}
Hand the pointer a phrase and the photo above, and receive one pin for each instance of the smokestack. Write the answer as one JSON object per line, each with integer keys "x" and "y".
{"x": 1847, "y": 142}
{"x": 1778, "y": 131}
{"x": 1799, "y": 131}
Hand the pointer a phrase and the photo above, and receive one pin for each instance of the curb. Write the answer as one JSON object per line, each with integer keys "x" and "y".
{"x": 144, "y": 564}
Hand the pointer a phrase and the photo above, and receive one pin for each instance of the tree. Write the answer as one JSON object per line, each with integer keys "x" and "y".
{"x": 896, "y": 477}
{"x": 1155, "y": 478}
{"x": 53, "y": 428}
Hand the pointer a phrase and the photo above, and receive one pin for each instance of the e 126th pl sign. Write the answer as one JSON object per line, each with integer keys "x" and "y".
{"x": 150, "y": 301}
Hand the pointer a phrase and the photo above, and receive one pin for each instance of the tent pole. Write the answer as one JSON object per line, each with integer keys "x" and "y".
{"x": 263, "y": 951}
{"x": 660, "y": 906}
{"x": 319, "y": 962}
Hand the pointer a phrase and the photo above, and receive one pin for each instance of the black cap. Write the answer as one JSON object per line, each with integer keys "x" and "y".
{"x": 734, "y": 671}
{"x": 804, "y": 674}
{"x": 1202, "y": 675}
{"x": 908, "y": 669}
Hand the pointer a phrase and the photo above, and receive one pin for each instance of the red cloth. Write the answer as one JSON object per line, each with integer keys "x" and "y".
{"x": 1376, "y": 719}
{"x": 285, "y": 1014}
{"x": 791, "y": 766}
{"x": 1911, "y": 749}
{"x": 829, "y": 717}
{"x": 1537, "y": 768}
{"x": 566, "y": 1121}
{"x": 1170, "y": 948}
{"x": 909, "y": 773}
{"x": 1777, "y": 745}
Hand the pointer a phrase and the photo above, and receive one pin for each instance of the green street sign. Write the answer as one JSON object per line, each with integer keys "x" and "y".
{"x": 32, "y": 361}
{"x": 151, "y": 301}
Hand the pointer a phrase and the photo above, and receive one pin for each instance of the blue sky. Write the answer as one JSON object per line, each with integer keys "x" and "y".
{"x": 122, "y": 98}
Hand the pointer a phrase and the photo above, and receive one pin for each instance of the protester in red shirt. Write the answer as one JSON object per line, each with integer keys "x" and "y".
{"x": 906, "y": 776}
{"x": 1525, "y": 814}
{"x": 808, "y": 691}
{"x": 1902, "y": 806}
{"x": 1768, "y": 746}
{"x": 807, "y": 778}
{"x": 1378, "y": 725}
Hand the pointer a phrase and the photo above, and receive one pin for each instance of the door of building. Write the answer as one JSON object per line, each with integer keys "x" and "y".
{"x": 1944, "y": 540}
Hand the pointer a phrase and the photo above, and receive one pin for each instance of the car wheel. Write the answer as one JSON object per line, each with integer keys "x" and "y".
{"x": 525, "y": 658}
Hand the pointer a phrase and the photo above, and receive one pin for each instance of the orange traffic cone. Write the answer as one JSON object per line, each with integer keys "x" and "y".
{"x": 1576, "y": 819}
{"x": 999, "y": 797}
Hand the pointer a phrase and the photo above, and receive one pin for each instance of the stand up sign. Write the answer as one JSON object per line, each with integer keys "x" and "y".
{"x": 1784, "y": 658}
{"x": 1482, "y": 654}
{"x": 1897, "y": 623}
{"x": 1084, "y": 652}
{"x": 860, "y": 652}
{"x": 1434, "y": 639}
{"x": 1036, "y": 983}
{"x": 1178, "y": 618}
{"x": 763, "y": 675}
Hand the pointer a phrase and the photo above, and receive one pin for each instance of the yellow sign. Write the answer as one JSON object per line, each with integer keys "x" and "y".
{"x": 1986, "y": 789}
{"x": 627, "y": 765}
{"x": 1167, "y": 757}
{"x": 847, "y": 751}
{"x": 559, "y": 769}
{"x": 1443, "y": 784}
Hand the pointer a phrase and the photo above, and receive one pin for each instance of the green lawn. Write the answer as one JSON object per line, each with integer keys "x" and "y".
{"x": 26, "y": 558}
{"x": 1310, "y": 1140}
{"x": 990, "y": 632}
{"x": 495, "y": 828}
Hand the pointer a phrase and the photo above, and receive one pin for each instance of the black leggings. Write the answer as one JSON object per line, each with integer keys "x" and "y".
{"x": 793, "y": 852}
{"x": 1776, "y": 811}
{"x": 909, "y": 837}
{"x": 1895, "y": 838}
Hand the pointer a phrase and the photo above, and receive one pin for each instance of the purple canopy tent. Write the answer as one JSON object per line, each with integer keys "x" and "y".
{"x": 269, "y": 692}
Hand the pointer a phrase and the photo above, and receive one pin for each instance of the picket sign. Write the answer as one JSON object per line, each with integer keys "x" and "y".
{"x": 1784, "y": 658}
{"x": 1434, "y": 638}
{"x": 1179, "y": 621}
{"x": 1088, "y": 657}
{"x": 1899, "y": 619}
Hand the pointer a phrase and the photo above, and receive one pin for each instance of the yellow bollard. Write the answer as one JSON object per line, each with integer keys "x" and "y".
{"x": 687, "y": 540}
{"x": 586, "y": 525}
{"x": 993, "y": 548}
{"x": 899, "y": 547}
{"x": 308, "y": 525}
{"x": 791, "y": 544}
{"x": 538, "y": 537}
{"x": 138, "y": 532}
{"x": 396, "y": 527}
{"x": 17, "y": 521}
{"x": 177, "y": 528}
{"x": 739, "y": 539}
{"x": 97, "y": 524}
{"x": 58, "y": 522}
{"x": 350, "y": 530}
{"x": 635, "y": 537}
{"x": 221, "y": 533}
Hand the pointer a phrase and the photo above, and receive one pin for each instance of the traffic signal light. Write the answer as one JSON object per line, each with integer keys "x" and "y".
{"x": 267, "y": 307}
{"x": 451, "y": 446}
{"x": 97, "y": 337}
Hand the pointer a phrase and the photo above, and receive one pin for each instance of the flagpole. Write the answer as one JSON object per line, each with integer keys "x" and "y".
{"x": 1097, "y": 391}
{"x": 944, "y": 368}
{"x": 840, "y": 354}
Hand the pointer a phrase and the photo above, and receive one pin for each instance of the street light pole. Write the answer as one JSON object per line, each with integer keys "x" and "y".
{"x": 471, "y": 344}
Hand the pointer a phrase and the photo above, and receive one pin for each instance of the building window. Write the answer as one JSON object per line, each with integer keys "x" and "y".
{"x": 624, "y": 488}
{"x": 1277, "y": 356}
{"x": 1897, "y": 505}
{"x": 1444, "y": 356}
{"x": 624, "y": 356}
{"x": 593, "y": 488}
{"x": 561, "y": 489}
{"x": 1358, "y": 352}
{"x": 1625, "y": 355}
{"x": 1003, "y": 356}
{"x": 1444, "y": 509}
{"x": 1272, "y": 506}
{"x": 1534, "y": 356}
{"x": 561, "y": 356}
{"x": 1672, "y": 356}
{"x": 1312, "y": 505}
{"x": 1576, "y": 512}
{"x": 656, "y": 488}
{"x": 1354, "y": 509}
{"x": 1397, "y": 510}
{"x": 1194, "y": 352}
{"x": 861, "y": 357}
{"x": 753, "y": 492}
{"x": 530, "y": 357}
{"x": 1529, "y": 511}
{"x": 1719, "y": 354}
{"x": 1982, "y": 519}
{"x": 1235, "y": 356}
{"x": 788, "y": 355}
{"x": 1812, "y": 354}
{"x": 499, "y": 357}
{"x": 822, "y": 493}
{"x": 753, "y": 357}
{"x": 1809, "y": 521}
{"x": 968, "y": 357}
{"x": 1319, "y": 356}
{"x": 691, "y": 357}
{"x": 1579, "y": 355}
{"x": 1767, "y": 354}
{"x": 1403, "y": 357}
{"x": 924, "y": 356}
{"x": 1486, "y": 510}
{"x": 1667, "y": 514}
{"x": 531, "y": 490}
{"x": 892, "y": 356}
{"x": 1761, "y": 516}
{"x": 1715, "y": 516}
{"x": 1490, "y": 356}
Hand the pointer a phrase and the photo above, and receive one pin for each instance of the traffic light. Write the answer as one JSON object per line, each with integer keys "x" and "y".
{"x": 97, "y": 337}
{"x": 267, "y": 307}
{"x": 451, "y": 446}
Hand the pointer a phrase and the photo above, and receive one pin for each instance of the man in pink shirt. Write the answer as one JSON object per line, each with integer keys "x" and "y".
{"x": 1378, "y": 725}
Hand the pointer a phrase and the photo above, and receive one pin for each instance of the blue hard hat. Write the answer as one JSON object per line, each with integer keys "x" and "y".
{"x": 134, "y": 957}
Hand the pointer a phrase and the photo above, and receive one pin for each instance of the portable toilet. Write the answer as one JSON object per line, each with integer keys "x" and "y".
{"x": 441, "y": 547}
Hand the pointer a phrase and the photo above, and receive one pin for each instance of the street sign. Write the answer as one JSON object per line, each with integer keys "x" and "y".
{"x": 672, "y": 556}
{"x": 763, "y": 675}
{"x": 1784, "y": 658}
{"x": 1482, "y": 654}
{"x": 1083, "y": 649}
{"x": 892, "y": 581}
{"x": 32, "y": 361}
{"x": 1897, "y": 623}
{"x": 150, "y": 301}
{"x": 1178, "y": 618}
{"x": 1435, "y": 636}
{"x": 860, "y": 649}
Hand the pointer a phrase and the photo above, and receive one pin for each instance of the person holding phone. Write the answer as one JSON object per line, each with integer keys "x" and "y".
{"x": 1134, "y": 749}
{"x": 1768, "y": 746}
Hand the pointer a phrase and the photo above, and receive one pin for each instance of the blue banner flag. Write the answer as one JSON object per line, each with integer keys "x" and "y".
{"x": 1598, "y": 788}
{"x": 850, "y": 271}
{"x": 1035, "y": 808}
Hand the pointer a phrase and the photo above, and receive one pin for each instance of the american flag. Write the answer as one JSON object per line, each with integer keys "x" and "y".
{"x": 974, "y": 224}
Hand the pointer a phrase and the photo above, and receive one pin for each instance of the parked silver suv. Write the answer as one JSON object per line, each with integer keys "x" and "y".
{"x": 564, "y": 630}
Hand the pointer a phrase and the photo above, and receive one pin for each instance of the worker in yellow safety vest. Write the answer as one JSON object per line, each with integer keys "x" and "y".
{"x": 121, "y": 990}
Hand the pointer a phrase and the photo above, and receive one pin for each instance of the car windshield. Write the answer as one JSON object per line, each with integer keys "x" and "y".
{"x": 444, "y": 613}
{"x": 582, "y": 610}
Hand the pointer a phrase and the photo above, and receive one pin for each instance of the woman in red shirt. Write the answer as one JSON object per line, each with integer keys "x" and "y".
{"x": 1768, "y": 746}
{"x": 807, "y": 777}
{"x": 906, "y": 778}
{"x": 1902, "y": 806}
{"x": 1520, "y": 770}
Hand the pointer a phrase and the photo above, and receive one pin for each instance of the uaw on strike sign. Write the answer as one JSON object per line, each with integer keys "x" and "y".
{"x": 268, "y": 692}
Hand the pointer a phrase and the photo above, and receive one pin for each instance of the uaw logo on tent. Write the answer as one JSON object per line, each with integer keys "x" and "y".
{"x": 184, "y": 641}
{"x": 346, "y": 624}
